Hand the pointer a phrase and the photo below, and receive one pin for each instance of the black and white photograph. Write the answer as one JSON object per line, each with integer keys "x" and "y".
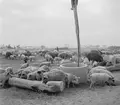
{"x": 59, "y": 52}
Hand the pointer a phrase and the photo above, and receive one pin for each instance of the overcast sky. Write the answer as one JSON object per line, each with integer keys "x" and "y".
{"x": 51, "y": 22}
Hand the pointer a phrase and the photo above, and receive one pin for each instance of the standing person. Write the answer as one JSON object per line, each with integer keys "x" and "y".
{"x": 57, "y": 49}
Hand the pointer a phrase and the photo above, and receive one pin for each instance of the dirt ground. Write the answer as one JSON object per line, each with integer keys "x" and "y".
{"x": 80, "y": 95}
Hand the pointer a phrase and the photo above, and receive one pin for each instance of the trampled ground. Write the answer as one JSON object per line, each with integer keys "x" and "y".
{"x": 81, "y": 95}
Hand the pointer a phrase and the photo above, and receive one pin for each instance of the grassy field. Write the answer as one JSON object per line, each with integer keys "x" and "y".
{"x": 80, "y": 95}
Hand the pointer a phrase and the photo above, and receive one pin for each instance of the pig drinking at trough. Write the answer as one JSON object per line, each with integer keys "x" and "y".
{"x": 54, "y": 75}
{"x": 72, "y": 79}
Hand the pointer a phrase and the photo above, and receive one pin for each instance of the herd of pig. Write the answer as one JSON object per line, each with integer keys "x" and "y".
{"x": 97, "y": 75}
{"x": 44, "y": 73}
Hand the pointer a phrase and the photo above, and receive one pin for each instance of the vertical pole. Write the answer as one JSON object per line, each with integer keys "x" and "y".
{"x": 77, "y": 29}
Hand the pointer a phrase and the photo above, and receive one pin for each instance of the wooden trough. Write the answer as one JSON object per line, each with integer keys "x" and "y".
{"x": 51, "y": 86}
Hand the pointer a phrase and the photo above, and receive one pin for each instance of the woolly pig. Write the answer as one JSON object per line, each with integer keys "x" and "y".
{"x": 53, "y": 53}
{"x": 31, "y": 58}
{"x": 7, "y": 55}
{"x": 100, "y": 78}
{"x": 65, "y": 55}
{"x": 25, "y": 65}
{"x": 24, "y": 72}
{"x": 100, "y": 67}
{"x": 36, "y": 75}
{"x": 3, "y": 78}
{"x": 44, "y": 68}
{"x": 74, "y": 59}
{"x": 12, "y": 57}
{"x": 48, "y": 58}
{"x": 94, "y": 56}
{"x": 95, "y": 64}
{"x": 45, "y": 63}
{"x": 57, "y": 59}
{"x": 97, "y": 70}
{"x": 54, "y": 75}
{"x": 72, "y": 79}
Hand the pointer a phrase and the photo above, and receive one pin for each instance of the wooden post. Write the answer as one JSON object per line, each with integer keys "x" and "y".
{"x": 74, "y": 8}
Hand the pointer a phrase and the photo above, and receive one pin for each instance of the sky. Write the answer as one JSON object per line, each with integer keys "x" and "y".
{"x": 51, "y": 22}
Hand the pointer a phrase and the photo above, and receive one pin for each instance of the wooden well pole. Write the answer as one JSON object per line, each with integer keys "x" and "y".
{"x": 74, "y": 4}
